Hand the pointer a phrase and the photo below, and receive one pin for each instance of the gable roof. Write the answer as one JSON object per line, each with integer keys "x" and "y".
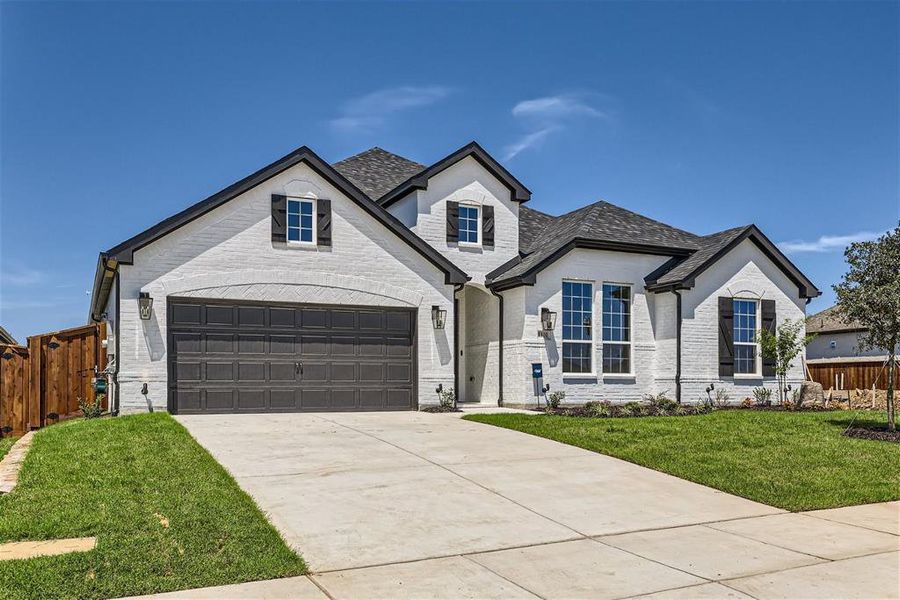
{"x": 124, "y": 252}
{"x": 600, "y": 225}
{"x": 419, "y": 181}
{"x": 376, "y": 171}
{"x": 6, "y": 338}
{"x": 681, "y": 274}
{"x": 830, "y": 321}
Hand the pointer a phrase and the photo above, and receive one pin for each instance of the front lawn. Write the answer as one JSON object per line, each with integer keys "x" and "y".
{"x": 795, "y": 461}
{"x": 5, "y": 444}
{"x": 166, "y": 515}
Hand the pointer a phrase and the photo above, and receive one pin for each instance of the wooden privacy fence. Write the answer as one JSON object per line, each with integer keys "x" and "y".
{"x": 41, "y": 383}
{"x": 855, "y": 375}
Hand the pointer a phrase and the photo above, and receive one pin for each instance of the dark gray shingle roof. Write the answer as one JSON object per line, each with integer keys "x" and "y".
{"x": 599, "y": 222}
{"x": 708, "y": 246}
{"x": 377, "y": 171}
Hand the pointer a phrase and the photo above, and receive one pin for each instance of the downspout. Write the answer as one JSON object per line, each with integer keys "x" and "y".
{"x": 115, "y": 375}
{"x": 677, "y": 345}
{"x": 499, "y": 349}
{"x": 456, "y": 289}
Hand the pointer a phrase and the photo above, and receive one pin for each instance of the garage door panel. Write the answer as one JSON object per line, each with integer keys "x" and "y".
{"x": 251, "y": 316}
{"x": 282, "y": 344}
{"x": 398, "y": 398}
{"x": 219, "y": 343}
{"x": 341, "y": 371}
{"x": 219, "y": 400}
{"x": 314, "y": 345}
{"x": 282, "y": 371}
{"x": 258, "y": 357}
{"x": 219, "y": 315}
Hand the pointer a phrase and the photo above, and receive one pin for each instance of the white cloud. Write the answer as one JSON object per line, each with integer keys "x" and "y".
{"x": 552, "y": 114}
{"x": 21, "y": 276}
{"x": 556, "y": 107}
{"x": 530, "y": 140}
{"x": 370, "y": 112}
{"x": 828, "y": 243}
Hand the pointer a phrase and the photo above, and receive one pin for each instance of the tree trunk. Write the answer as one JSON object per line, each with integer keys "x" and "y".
{"x": 890, "y": 393}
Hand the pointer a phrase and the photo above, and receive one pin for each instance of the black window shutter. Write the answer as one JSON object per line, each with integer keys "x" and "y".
{"x": 279, "y": 218}
{"x": 453, "y": 222}
{"x": 726, "y": 336}
{"x": 487, "y": 225}
{"x": 768, "y": 324}
{"x": 323, "y": 222}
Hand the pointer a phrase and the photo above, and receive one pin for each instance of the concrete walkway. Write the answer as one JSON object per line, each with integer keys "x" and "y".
{"x": 416, "y": 505}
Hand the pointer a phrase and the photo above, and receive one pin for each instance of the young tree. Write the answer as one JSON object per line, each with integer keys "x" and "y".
{"x": 783, "y": 346}
{"x": 869, "y": 294}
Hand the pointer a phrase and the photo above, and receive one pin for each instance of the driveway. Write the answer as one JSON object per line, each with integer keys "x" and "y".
{"x": 423, "y": 505}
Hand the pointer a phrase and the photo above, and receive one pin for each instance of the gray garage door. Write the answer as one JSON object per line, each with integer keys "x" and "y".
{"x": 227, "y": 356}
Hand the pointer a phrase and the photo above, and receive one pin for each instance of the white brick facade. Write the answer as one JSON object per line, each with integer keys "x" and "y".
{"x": 228, "y": 253}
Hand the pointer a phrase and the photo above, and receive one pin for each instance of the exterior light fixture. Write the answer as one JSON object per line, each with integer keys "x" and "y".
{"x": 548, "y": 321}
{"x": 53, "y": 344}
{"x": 145, "y": 305}
{"x": 438, "y": 317}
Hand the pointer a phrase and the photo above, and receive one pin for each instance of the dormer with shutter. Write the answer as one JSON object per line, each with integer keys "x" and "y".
{"x": 466, "y": 205}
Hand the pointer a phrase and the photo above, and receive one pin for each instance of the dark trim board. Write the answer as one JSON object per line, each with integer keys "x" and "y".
{"x": 328, "y": 394}
{"x": 419, "y": 181}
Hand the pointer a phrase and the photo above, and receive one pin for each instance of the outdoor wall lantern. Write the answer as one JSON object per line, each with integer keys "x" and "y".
{"x": 548, "y": 321}
{"x": 145, "y": 305}
{"x": 438, "y": 317}
{"x": 53, "y": 344}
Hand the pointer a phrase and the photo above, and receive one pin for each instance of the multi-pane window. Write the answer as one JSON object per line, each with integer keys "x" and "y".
{"x": 577, "y": 339}
{"x": 745, "y": 342}
{"x": 468, "y": 224}
{"x": 300, "y": 221}
{"x": 616, "y": 328}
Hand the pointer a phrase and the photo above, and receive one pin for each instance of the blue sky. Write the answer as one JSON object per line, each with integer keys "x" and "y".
{"x": 703, "y": 115}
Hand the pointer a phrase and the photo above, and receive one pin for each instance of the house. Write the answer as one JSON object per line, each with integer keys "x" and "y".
{"x": 835, "y": 339}
{"x": 373, "y": 282}
{"x": 6, "y": 339}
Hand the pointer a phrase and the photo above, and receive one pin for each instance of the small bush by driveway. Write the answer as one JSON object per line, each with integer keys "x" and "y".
{"x": 795, "y": 461}
{"x": 165, "y": 514}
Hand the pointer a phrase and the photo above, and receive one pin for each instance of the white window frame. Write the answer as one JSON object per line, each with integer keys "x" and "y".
{"x": 591, "y": 342}
{"x": 478, "y": 225}
{"x": 630, "y": 343}
{"x": 315, "y": 216}
{"x": 757, "y": 356}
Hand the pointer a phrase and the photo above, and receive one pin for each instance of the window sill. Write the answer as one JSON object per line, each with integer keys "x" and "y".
{"x": 584, "y": 376}
{"x": 468, "y": 246}
{"x": 619, "y": 376}
{"x": 748, "y": 376}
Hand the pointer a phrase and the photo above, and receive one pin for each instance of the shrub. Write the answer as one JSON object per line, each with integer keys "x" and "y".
{"x": 634, "y": 409}
{"x": 598, "y": 408}
{"x": 763, "y": 396}
{"x": 704, "y": 405}
{"x": 722, "y": 398}
{"x": 661, "y": 404}
{"x": 92, "y": 410}
{"x": 554, "y": 400}
{"x": 447, "y": 397}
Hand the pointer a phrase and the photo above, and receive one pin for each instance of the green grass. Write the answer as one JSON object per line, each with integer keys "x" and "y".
{"x": 795, "y": 461}
{"x": 120, "y": 480}
{"x": 5, "y": 444}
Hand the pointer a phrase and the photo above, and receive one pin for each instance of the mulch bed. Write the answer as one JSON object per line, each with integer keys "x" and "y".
{"x": 439, "y": 409}
{"x": 877, "y": 433}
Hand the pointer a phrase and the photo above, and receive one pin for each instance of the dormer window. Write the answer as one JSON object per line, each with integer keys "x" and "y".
{"x": 469, "y": 225}
{"x": 300, "y": 226}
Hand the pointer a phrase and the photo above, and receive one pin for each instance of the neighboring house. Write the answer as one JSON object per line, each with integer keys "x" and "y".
{"x": 6, "y": 339}
{"x": 368, "y": 283}
{"x": 836, "y": 339}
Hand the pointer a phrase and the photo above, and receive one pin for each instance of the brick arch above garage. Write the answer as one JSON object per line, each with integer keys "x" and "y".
{"x": 290, "y": 286}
